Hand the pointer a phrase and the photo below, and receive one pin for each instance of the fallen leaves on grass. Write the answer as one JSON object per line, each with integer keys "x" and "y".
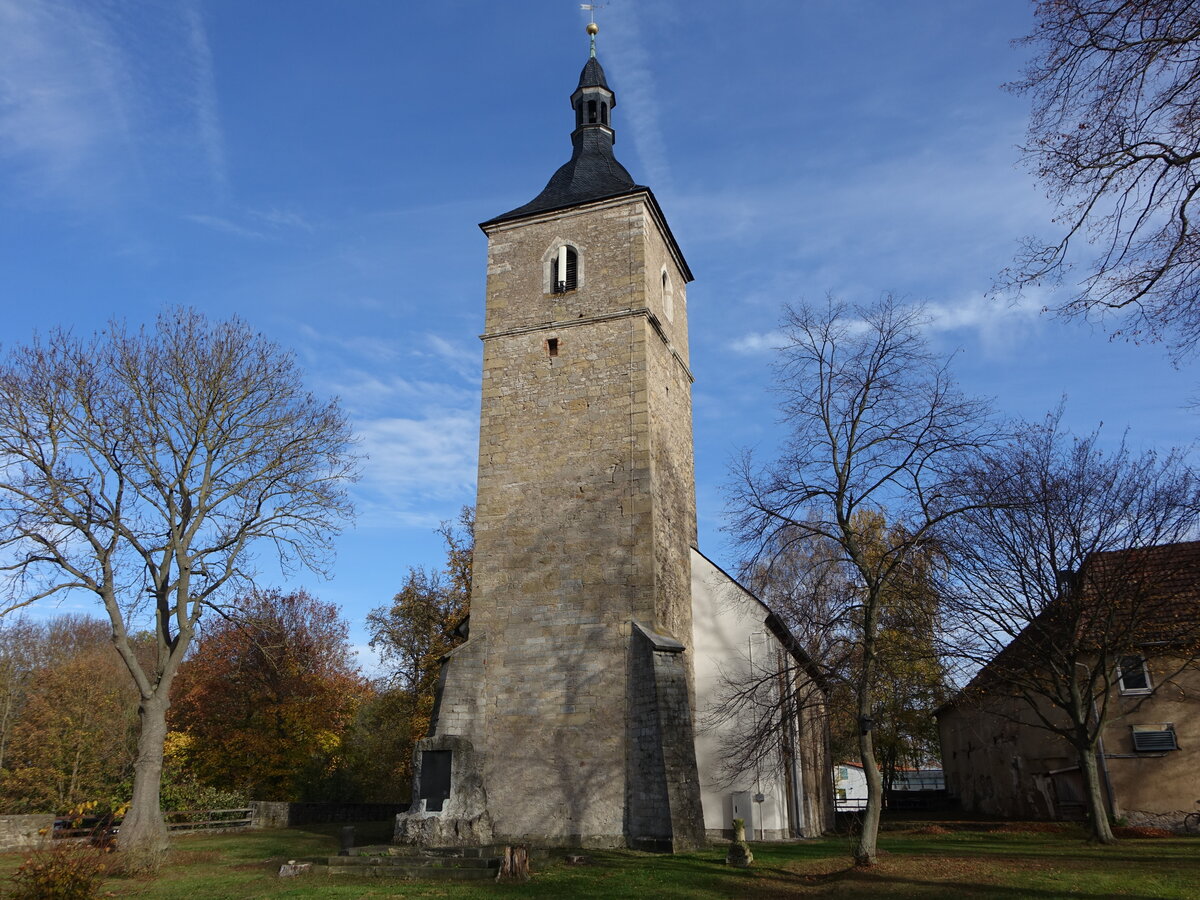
{"x": 1036, "y": 828}
{"x": 1141, "y": 831}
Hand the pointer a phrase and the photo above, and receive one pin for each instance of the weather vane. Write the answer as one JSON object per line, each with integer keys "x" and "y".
{"x": 592, "y": 28}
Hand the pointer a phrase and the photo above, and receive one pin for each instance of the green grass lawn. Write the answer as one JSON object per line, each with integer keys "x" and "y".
{"x": 917, "y": 859}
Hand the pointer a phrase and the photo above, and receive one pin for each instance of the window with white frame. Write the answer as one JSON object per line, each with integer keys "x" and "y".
{"x": 1133, "y": 676}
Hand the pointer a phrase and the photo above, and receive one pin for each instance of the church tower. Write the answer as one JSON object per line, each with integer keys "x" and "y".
{"x": 566, "y": 717}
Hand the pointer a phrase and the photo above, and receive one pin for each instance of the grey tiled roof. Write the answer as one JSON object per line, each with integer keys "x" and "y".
{"x": 592, "y": 173}
{"x": 592, "y": 74}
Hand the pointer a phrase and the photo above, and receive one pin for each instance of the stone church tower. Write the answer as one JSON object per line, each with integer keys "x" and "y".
{"x": 567, "y": 716}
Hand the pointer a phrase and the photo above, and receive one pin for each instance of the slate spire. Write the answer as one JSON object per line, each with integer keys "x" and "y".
{"x": 592, "y": 173}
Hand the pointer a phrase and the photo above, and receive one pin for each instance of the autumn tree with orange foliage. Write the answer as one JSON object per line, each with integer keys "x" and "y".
{"x": 68, "y": 716}
{"x": 266, "y": 698}
{"x": 423, "y": 623}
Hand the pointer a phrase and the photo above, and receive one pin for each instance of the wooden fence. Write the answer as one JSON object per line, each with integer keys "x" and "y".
{"x": 178, "y": 821}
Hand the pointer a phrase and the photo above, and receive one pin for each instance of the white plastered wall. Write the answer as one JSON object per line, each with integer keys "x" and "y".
{"x": 732, "y": 647}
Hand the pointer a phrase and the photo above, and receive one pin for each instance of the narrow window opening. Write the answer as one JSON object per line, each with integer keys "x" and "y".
{"x": 603, "y": 113}
{"x": 552, "y": 346}
{"x": 1133, "y": 675}
{"x": 591, "y": 112}
{"x": 565, "y": 268}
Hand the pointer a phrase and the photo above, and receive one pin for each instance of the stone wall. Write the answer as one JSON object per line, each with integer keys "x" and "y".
{"x": 25, "y": 832}
{"x": 584, "y": 518}
{"x": 665, "y": 812}
{"x": 282, "y": 814}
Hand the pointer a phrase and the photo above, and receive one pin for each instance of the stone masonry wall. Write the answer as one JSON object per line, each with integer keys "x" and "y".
{"x": 665, "y": 811}
{"x": 567, "y": 547}
{"x": 25, "y": 832}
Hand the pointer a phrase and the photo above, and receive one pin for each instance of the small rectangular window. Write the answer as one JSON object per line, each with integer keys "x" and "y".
{"x": 1133, "y": 676}
{"x": 552, "y": 346}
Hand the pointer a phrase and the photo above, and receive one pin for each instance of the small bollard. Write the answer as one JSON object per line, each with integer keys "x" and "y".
{"x": 347, "y": 840}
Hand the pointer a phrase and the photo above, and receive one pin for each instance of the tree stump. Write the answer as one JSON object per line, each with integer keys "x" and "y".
{"x": 514, "y": 865}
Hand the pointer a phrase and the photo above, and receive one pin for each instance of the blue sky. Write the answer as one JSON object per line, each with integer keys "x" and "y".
{"x": 319, "y": 169}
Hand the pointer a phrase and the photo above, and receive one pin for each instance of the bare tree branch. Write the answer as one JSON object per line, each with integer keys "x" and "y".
{"x": 1114, "y": 136}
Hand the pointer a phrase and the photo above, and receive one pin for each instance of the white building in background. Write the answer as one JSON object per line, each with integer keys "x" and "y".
{"x": 849, "y": 787}
{"x": 749, "y": 670}
{"x": 850, "y": 784}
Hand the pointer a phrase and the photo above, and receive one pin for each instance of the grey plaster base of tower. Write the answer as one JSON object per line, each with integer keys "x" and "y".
{"x": 463, "y": 819}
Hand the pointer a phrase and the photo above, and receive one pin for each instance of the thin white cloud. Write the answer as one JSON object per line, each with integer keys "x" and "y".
{"x": 416, "y": 468}
{"x": 462, "y": 359}
{"x": 997, "y": 326}
{"x": 87, "y": 116}
{"x": 1001, "y": 328}
{"x": 275, "y": 221}
{"x": 219, "y": 223}
{"x": 631, "y": 74}
{"x": 279, "y": 218}
{"x": 757, "y": 342}
{"x": 63, "y": 99}
{"x": 204, "y": 97}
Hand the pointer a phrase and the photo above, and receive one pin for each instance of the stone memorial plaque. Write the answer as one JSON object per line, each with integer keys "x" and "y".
{"x": 435, "y": 779}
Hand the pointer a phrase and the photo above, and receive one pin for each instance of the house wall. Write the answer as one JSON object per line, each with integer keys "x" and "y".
{"x": 1001, "y": 767}
{"x": 998, "y": 766}
{"x": 733, "y": 649}
{"x": 1157, "y": 788}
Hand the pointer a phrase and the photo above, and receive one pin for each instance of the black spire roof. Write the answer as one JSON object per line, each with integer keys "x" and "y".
{"x": 592, "y": 74}
{"x": 592, "y": 173}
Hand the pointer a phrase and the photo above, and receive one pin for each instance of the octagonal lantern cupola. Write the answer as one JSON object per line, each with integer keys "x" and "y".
{"x": 593, "y": 100}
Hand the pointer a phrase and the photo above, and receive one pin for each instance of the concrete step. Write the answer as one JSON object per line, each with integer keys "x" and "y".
{"x": 415, "y": 873}
{"x": 416, "y": 862}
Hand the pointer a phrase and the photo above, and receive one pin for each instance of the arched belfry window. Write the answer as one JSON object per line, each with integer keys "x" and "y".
{"x": 668, "y": 296}
{"x": 592, "y": 120}
{"x": 564, "y": 270}
{"x": 603, "y": 113}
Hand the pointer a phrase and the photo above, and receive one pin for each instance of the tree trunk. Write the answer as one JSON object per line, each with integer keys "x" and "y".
{"x": 514, "y": 864}
{"x": 143, "y": 835}
{"x": 1101, "y": 828}
{"x": 864, "y": 851}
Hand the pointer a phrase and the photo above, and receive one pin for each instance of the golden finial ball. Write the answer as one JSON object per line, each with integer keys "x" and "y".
{"x": 593, "y": 28}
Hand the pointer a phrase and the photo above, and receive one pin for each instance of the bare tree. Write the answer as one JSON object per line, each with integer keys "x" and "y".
{"x": 141, "y": 467}
{"x": 1114, "y": 137}
{"x": 1059, "y": 581}
{"x": 819, "y": 600}
{"x": 876, "y": 426}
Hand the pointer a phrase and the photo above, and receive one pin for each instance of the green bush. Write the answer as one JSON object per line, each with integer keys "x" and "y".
{"x": 189, "y": 795}
{"x": 67, "y": 871}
